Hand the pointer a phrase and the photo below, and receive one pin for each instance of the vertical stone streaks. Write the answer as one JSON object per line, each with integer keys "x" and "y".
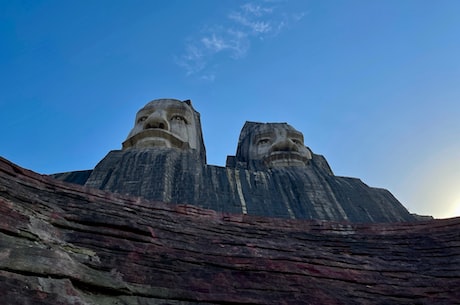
{"x": 310, "y": 192}
{"x": 237, "y": 176}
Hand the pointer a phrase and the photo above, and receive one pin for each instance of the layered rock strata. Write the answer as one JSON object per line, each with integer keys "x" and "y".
{"x": 63, "y": 243}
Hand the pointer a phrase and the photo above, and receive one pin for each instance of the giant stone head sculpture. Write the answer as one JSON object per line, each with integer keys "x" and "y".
{"x": 167, "y": 123}
{"x": 272, "y": 145}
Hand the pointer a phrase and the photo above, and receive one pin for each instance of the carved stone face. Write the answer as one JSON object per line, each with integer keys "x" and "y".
{"x": 276, "y": 144}
{"x": 166, "y": 123}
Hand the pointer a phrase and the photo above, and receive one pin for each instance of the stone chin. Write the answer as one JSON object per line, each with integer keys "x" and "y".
{"x": 285, "y": 158}
{"x": 155, "y": 138}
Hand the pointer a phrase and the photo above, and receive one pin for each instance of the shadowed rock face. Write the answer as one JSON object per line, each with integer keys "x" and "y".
{"x": 63, "y": 243}
{"x": 309, "y": 192}
{"x": 273, "y": 173}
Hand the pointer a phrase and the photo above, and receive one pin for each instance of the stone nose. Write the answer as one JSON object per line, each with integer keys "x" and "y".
{"x": 156, "y": 120}
{"x": 284, "y": 144}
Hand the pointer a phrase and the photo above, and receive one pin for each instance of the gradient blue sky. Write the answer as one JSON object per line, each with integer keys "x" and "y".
{"x": 373, "y": 85}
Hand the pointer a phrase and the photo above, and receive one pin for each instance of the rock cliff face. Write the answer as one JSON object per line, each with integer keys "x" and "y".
{"x": 63, "y": 243}
{"x": 310, "y": 192}
{"x": 273, "y": 173}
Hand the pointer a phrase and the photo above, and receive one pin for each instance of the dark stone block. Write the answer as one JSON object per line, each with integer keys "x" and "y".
{"x": 77, "y": 177}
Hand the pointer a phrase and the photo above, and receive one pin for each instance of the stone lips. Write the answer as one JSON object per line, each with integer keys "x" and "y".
{"x": 286, "y": 158}
{"x": 67, "y": 244}
{"x": 158, "y": 136}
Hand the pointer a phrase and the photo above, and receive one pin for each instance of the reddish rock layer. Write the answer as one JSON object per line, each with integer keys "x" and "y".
{"x": 65, "y": 244}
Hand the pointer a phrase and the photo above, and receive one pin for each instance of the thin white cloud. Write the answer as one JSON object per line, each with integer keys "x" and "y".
{"x": 232, "y": 38}
{"x": 192, "y": 60}
{"x": 214, "y": 43}
{"x": 256, "y": 10}
{"x": 208, "y": 77}
{"x": 298, "y": 16}
{"x": 239, "y": 42}
{"x": 255, "y": 26}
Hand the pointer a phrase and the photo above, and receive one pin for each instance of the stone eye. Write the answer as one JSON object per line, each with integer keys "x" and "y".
{"x": 178, "y": 118}
{"x": 296, "y": 141}
{"x": 263, "y": 142}
{"x": 142, "y": 119}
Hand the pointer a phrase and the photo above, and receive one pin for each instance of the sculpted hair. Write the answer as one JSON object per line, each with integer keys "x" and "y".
{"x": 244, "y": 141}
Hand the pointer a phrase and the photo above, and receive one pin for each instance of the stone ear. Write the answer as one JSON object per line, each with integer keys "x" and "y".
{"x": 188, "y": 102}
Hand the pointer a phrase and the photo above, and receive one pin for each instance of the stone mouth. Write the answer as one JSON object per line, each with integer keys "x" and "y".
{"x": 285, "y": 158}
{"x": 152, "y": 137}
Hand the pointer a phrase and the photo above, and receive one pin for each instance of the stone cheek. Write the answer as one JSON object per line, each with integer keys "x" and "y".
{"x": 187, "y": 131}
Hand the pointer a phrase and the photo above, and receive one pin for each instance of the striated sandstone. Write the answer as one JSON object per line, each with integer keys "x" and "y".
{"x": 63, "y": 243}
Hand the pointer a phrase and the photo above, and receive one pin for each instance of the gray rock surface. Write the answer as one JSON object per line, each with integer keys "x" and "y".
{"x": 311, "y": 192}
{"x": 272, "y": 174}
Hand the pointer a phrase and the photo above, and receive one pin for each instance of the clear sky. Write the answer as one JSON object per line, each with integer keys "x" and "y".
{"x": 373, "y": 85}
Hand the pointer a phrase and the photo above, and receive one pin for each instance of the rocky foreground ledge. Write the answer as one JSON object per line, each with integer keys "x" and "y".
{"x": 66, "y": 244}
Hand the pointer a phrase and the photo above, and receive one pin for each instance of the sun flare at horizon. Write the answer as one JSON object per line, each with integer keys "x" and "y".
{"x": 456, "y": 209}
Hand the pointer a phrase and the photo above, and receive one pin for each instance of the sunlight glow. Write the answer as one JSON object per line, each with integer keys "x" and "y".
{"x": 456, "y": 209}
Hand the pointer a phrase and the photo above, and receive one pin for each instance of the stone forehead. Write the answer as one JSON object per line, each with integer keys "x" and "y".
{"x": 166, "y": 101}
{"x": 250, "y": 128}
{"x": 269, "y": 126}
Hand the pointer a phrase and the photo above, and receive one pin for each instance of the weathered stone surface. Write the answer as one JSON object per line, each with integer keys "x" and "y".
{"x": 67, "y": 244}
{"x": 310, "y": 192}
{"x": 271, "y": 145}
{"x": 272, "y": 174}
{"x": 78, "y": 177}
{"x": 167, "y": 123}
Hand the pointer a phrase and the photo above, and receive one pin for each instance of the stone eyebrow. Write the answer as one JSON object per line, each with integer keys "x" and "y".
{"x": 295, "y": 134}
{"x": 174, "y": 109}
{"x": 143, "y": 111}
{"x": 264, "y": 134}
{"x": 181, "y": 110}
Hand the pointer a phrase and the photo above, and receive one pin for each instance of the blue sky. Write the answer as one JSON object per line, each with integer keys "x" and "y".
{"x": 373, "y": 85}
